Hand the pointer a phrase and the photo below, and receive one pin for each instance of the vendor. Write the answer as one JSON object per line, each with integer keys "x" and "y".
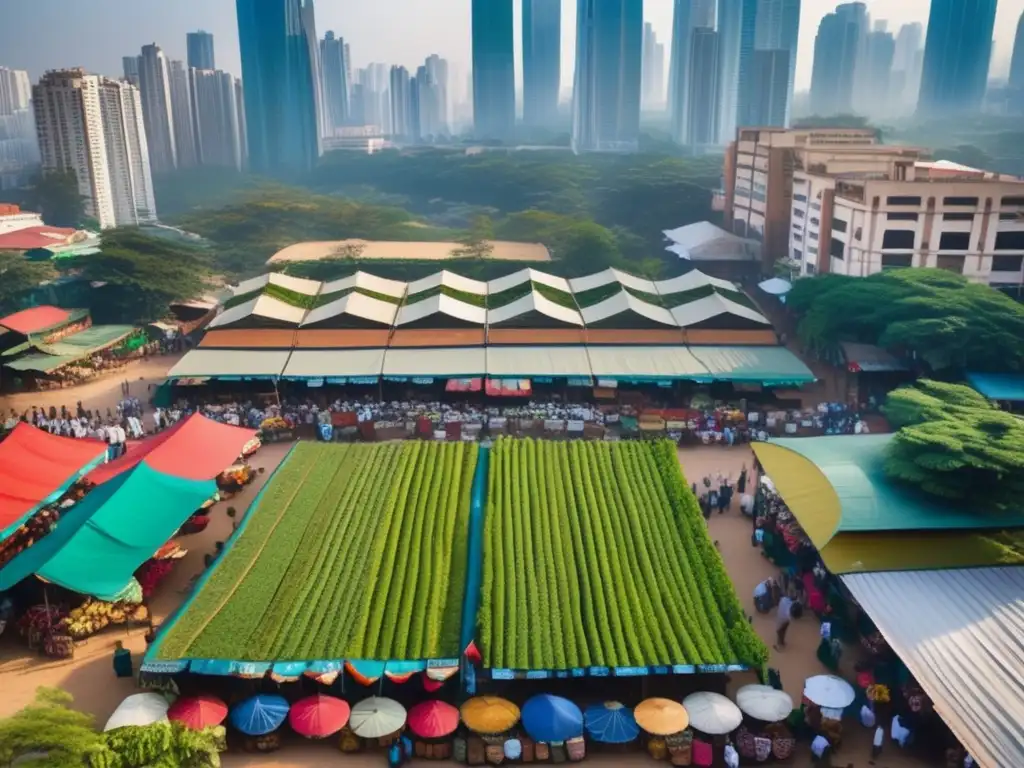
{"x": 122, "y": 660}
{"x": 763, "y": 596}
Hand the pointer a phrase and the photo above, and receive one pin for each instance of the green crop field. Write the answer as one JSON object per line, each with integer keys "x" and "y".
{"x": 596, "y": 554}
{"x": 353, "y": 552}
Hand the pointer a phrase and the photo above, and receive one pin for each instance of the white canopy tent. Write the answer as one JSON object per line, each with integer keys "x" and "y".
{"x": 367, "y": 282}
{"x": 334, "y": 363}
{"x": 511, "y": 362}
{"x": 498, "y": 285}
{"x": 534, "y": 302}
{"x": 623, "y": 303}
{"x": 240, "y": 363}
{"x": 711, "y": 306}
{"x": 356, "y": 305}
{"x": 265, "y": 307}
{"x": 645, "y": 363}
{"x": 441, "y": 305}
{"x": 610, "y": 276}
{"x": 447, "y": 279}
{"x": 442, "y": 362}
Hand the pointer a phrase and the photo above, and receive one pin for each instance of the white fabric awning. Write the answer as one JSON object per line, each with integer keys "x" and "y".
{"x": 624, "y": 303}
{"x": 440, "y": 362}
{"x": 243, "y": 363}
{"x": 368, "y": 282}
{"x": 645, "y": 363}
{"x": 449, "y": 280}
{"x": 526, "y": 276}
{"x": 692, "y": 279}
{"x": 609, "y": 276}
{"x": 297, "y": 284}
{"x": 334, "y": 363}
{"x": 441, "y": 305}
{"x": 534, "y": 302}
{"x": 510, "y": 362}
{"x": 250, "y": 285}
{"x": 357, "y": 305}
{"x": 711, "y": 306}
{"x": 266, "y": 307}
{"x": 961, "y": 634}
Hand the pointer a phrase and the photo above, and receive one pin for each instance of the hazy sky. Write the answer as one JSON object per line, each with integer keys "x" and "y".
{"x": 45, "y": 34}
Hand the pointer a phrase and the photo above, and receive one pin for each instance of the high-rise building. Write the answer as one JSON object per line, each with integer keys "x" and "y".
{"x": 19, "y": 149}
{"x": 215, "y": 115}
{"x": 654, "y": 70}
{"x": 158, "y": 108}
{"x": 277, "y": 42}
{"x": 15, "y": 91}
{"x": 957, "y": 53}
{"x": 1017, "y": 62}
{"x": 433, "y": 98}
{"x": 702, "y": 128}
{"x": 609, "y": 61}
{"x": 877, "y": 93}
{"x": 686, "y": 16}
{"x": 374, "y": 98}
{"x": 905, "y": 81}
{"x": 200, "y": 50}
{"x": 770, "y": 89}
{"x": 401, "y": 103}
{"x": 837, "y": 50}
{"x": 494, "y": 73}
{"x": 243, "y": 131}
{"x": 93, "y": 126}
{"x": 130, "y": 65}
{"x": 181, "y": 113}
{"x": 745, "y": 78}
{"x": 542, "y": 61}
{"x": 730, "y": 33}
{"x": 334, "y": 69}
{"x": 778, "y": 29}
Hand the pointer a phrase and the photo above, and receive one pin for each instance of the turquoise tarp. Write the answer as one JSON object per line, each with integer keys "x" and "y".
{"x": 999, "y": 386}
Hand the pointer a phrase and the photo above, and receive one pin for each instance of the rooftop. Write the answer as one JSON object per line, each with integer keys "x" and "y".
{"x": 36, "y": 237}
{"x": 420, "y": 251}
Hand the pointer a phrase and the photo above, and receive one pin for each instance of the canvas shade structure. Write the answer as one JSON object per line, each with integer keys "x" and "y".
{"x": 712, "y": 713}
{"x": 763, "y": 702}
{"x": 610, "y": 723}
{"x": 829, "y": 692}
{"x": 198, "y": 712}
{"x": 260, "y": 714}
{"x": 236, "y": 363}
{"x": 138, "y": 709}
{"x": 321, "y": 363}
{"x": 433, "y": 719}
{"x": 999, "y": 386}
{"x": 548, "y": 718}
{"x": 445, "y": 363}
{"x": 761, "y": 365}
{"x": 97, "y": 546}
{"x": 377, "y": 716}
{"x": 319, "y": 716}
{"x": 661, "y": 717}
{"x": 489, "y": 714}
{"x": 36, "y": 468}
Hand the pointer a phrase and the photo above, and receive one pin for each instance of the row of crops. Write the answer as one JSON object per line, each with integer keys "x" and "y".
{"x": 354, "y": 551}
{"x": 596, "y": 554}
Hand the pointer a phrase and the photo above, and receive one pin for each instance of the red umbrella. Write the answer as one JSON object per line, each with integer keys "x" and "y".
{"x": 318, "y": 717}
{"x": 198, "y": 712}
{"x": 433, "y": 719}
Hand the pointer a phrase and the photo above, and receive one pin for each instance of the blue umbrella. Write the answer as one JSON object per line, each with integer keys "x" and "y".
{"x": 260, "y": 714}
{"x": 611, "y": 723}
{"x": 548, "y": 718}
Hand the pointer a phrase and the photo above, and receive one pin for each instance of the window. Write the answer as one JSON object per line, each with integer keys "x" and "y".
{"x": 815, "y": 206}
{"x": 815, "y": 222}
{"x": 898, "y": 238}
{"x": 955, "y": 241}
{"x": 811, "y": 269}
{"x": 950, "y": 263}
{"x": 960, "y": 201}
{"x": 836, "y": 249}
{"x": 1007, "y": 263}
{"x": 1013, "y": 201}
{"x": 800, "y": 198}
{"x": 901, "y": 216}
{"x": 1010, "y": 217}
{"x": 838, "y": 225}
{"x": 797, "y": 237}
{"x": 958, "y": 217}
{"x": 897, "y": 260}
{"x": 813, "y": 251}
{"x": 1010, "y": 241}
{"x": 812, "y": 235}
{"x": 899, "y": 200}
{"x": 798, "y": 213}
{"x": 798, "y": 255}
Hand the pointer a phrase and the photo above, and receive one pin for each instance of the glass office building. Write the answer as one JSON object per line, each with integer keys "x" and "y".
{"x": 957, "y": 50}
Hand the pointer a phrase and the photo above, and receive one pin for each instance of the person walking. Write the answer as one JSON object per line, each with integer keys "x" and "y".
{"x": 782, "y": 619}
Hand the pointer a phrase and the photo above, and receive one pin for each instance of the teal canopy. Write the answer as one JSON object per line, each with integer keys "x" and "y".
{"x": 999, "y": 386}
{"x": 97, "y": 546}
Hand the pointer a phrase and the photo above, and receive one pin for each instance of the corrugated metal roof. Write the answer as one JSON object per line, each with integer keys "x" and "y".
{"x": 534, "y": 302}
{"x": 961, "y": 634}
{"x": 622, "y": 303}
{"x": 357, "y": 305}
{"x": 868, "y": 358}
{"x": 711, "y": 306}
{"x": 443, "y": 362}
{"x": 508, "y": 362}
{"x": 645, "y": 363}
{"x": 321, "y": 363}
{"x": 450, "y": 280}
{"x": 245, "y": 363}
{"x": 441, "y": 305}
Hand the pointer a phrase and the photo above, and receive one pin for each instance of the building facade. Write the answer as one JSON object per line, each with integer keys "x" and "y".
{"x": 200, "y": 50}
{"x": 654, "y": 70}
{"x": 542, "y": 62}
{"x": 702, "y": 127}
{"x": 778, "y": 29}
{"x": 158, "y": 108}
{"x": 401, "y": 104}
{"x": 335, "y": 85}
{"x": 957, "y": 52}
{"x": 770, "y": 93}
{"x": 494, "y": 72}
{"x": 181, "y": 112}
{"x": 878, "y": 92}
{"x": 1016, "y": 80}
{"x": 19, "y": 150}
{"x": 215, "y": 115}
{"x": 124, "y": 134}
{"x": 837, "y": 52}
{"x": 281, "y": 84}
{"x": 130, "y": 67}
{"x": 908, "y": 58}
{"x": 687, "y": 15}
{"x": 730, "y": 44}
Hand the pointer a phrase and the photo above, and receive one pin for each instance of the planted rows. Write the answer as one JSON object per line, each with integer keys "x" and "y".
{"x": 595, "y": 554}
{"x": 354, "y": 552}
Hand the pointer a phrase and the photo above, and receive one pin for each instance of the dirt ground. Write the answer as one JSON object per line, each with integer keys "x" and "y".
{"x": 503, "y": 250}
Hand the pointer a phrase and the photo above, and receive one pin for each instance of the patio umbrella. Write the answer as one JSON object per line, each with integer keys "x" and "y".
{"x": 377, "y": 716}
{"x": 489, "y": 714}
{"x": 712, "y": 713}
{"x": 198, "y": 712}
{"x": 319, "y": 716}
{"x": 661, "y": 717}
{"x": 550, "y": 718}
{"x": 764, "y": 703}
{"x": 829, "y": 691}
{"x": 259, "y": 714}
{"x": 138, "y": 709}
{"x": 610, "y": 723}
{"x": 433, "y": 719}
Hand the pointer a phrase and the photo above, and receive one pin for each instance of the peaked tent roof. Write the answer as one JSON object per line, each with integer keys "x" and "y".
{"x": 712, "y": 306}
{"x": 357, "y": 305}
{"x": 534, "y": 302}
{"x": 450, "y": 280}
{"x": 297, "y": 284}
{"x": 242, "y": 363}
{"x": 97, "y": 546}
{"x": 623, "y": 303}
{"x": 610, "y": 276}
{"x": 394, "y": 288}
{"x": 266, "y": 307}
{"x": 526, "y": 276}
{"x": 691, "y": 280}
{"x": 35, "y": 319}
{"x": 37, "y": 467}
{"x": 196, "y": 448}
{"x": 441, "y": 305}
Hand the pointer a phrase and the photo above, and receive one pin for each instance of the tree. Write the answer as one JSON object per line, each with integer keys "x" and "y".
{"x": 476, "y": 243}
{"x": 47, "y": 733}
{"x": 55, "y": 195}
{"x": 954, "y": 444}
{"x": 349, "y": 250}
{"x": 18, "y": 276}
{"x": 160, "y": 745}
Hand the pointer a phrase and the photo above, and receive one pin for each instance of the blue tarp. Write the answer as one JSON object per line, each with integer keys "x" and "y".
{"x": 999, "y": 386}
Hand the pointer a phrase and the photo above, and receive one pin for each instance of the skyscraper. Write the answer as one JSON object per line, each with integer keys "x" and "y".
{"x": 542, "y": 61}
{"x": 770, "y": 89}
{"x": 93, "y": 127}
{"x": 609, "y": 59}
{"x": 702, "y": 128}
{"x": 778, "y": 29}
{"x": 130, "y": 65}
{"x": 19, "y": 149}
{"x": 181, "y": 113}
{"x": 280, "y": 75}
{"x": 686, "y": 16}
{"x": 15, "y": 91}
{"x": 905, "y": 81}
{"x": 654, "y": 70}
{"x": 375, "y": 97}
{"x": 434, "y": 101}
{"x": 730, "y": 32}
{"x": 876, "y": 91}
{"x": 837, "y": 49}
{"x": 334, "y": 70}
{"x": 494, "y": 75}
{"x": 957, "y": 51}
{"x": 401, "y": 103}
{"x": 1017, "y": 62}
{"x": 157, "y": 108}
{"x": 215, "y": 115}
{"x": 200, "y": 50}
{"x": 745, "y": 79}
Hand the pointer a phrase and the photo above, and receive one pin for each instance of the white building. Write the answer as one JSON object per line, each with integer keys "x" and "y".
{"x": 215, "y": 116}
{"x": 181, "y": 115}
{"x": 19, "y": 153}
{"x": 157, "y": 108}
{"x": 92, "y": 126}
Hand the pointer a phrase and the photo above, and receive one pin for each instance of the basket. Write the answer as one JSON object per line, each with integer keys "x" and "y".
{"x": 576, "y": 748}
{"x": 783, "y": 749}
{"x": 495, "y": 754}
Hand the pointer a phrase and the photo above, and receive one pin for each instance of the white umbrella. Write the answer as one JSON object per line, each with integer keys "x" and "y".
{"x": 712, "y": 713}
{"x": 776, "y": 286}
{"x": 376, "y": 716}
{"x": 138, "y": 709}
{"x": 764, "y": 703}
{"x": 829, "y": 691}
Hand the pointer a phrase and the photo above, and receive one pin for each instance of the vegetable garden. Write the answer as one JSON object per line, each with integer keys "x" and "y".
{"x": 596, "y": 554}
{"x": 352, "y": 552}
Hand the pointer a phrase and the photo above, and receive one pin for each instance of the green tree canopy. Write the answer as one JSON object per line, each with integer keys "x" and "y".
{"x": 47, "y": 733}
{"x": 18, "y": 276}
{"x": 938, "y": 317}
{"x": 161, "y": 745}
{"x": 55, "y": 195}
{"x": 954, "y": 444}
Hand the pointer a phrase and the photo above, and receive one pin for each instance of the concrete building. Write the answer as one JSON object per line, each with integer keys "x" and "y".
{"x": 15, "y": 91}
{"x": 216, "y": 119}
{"x": 837, "y": 52}
{"x": 731, "y": 21}
{"x": 93, "y": 127}
{"x": 158, "y": 108}
{"x": 435, "y": 104}
{"x": 908, "y": 58}
{"x": 200, "y": 50}
{"x": 778, "y": 29}
{"x": 542, "y": 62}
{"x": 181, "y": 112}
{"x": 494, "y": 71}
{"x": 876, "y": 89}
{"x": 130, "y": 67}
{"x": 702, "y": 125}
{"x": 856, "y": 213}
{"x": 371, "y": 100}
{"x": 19, "y": 150}
{"x": 758, "y": 177}
{"x": 653, "y": 70}
{"x": 687, "y": 15}
{"x": 957, "y": 54}
{"x": 402, "y": 118}
{"x": 769, "y": 105}
{"x": 334, "y": 70}
{"x": 1016, "y": 80}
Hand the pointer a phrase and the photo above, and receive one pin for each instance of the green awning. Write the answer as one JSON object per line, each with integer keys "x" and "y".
{"x": 50, "y": 357}
{"x": 41, "y": 363}
{"x": 97, "y": 546}
{"x": 764, "y": 365}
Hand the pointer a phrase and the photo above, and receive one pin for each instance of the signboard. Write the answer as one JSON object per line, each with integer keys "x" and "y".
{"x": 574, "y": 426}
{"x": 314, "y": 383}
{"x": 554, "y": 425}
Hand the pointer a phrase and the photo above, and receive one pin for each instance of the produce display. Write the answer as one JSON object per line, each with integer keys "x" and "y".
{"x": 596, "y": 554}
{"x": 353, "y": 551}
{"x": 95, "y": 615}
{"x": 35, "y": 528}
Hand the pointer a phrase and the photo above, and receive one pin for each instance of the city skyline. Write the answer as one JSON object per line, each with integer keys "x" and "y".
{"x": 440, "y": 27}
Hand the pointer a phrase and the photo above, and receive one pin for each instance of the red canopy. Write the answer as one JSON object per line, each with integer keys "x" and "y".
{"x": 318, "y": 716}
{"x": 35, "y": 464}
{"x": 198, "y": 712}
{"x": 196, "y": 448}
{"x": 433, "y": 719}
{"x": 35, "y": 319}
